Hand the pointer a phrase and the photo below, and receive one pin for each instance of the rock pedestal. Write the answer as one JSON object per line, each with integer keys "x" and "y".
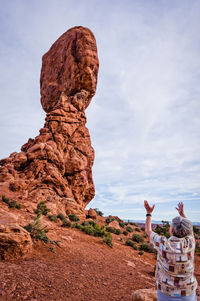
{"x": 57, "y": 164}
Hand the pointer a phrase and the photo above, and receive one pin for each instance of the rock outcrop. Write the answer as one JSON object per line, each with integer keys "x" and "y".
{"x": 57, "y": 164}
{"x": 15, "y": 242}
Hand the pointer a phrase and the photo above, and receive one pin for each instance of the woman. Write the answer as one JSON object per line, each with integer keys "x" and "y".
{"x": 175, "y": 258}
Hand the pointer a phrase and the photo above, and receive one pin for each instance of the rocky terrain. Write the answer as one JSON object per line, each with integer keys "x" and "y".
{"x": 81, "y": 267}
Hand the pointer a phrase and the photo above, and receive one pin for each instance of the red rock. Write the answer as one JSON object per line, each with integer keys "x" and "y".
{"x": 57, "y": 164}
{"x": 15, "y": 242}
{"x": 91, "y": 213}
{"x": 114, "y": 224}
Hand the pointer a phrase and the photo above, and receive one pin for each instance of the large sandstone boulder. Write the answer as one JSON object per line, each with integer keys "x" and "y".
{"x": 15, "y": 242}
{"x": 144, "y": 295}
{"x": 57, "y": 164}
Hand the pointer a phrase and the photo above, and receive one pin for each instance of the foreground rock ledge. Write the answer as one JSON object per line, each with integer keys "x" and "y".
{"x": 57, "y": 164}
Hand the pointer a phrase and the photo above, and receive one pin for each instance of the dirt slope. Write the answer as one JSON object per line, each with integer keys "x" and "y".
{"x": 83, "y": 269}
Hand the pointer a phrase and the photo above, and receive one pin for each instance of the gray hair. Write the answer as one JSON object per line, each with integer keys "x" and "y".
{"x": 182, "y": 227}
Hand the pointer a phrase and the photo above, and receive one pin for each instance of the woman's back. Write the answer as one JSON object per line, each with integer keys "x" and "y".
{"x": 175, "y": 264}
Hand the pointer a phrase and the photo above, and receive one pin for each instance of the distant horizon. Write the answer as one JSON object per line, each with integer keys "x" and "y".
{"x": 155, "y": 222}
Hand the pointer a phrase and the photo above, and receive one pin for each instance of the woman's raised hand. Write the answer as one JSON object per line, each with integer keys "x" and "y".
{"x": 180, "y": 209}
{"x": 148, "y": 208}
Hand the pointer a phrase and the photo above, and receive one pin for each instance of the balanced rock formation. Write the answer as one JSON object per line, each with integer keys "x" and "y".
{"x": 57, "y": 164}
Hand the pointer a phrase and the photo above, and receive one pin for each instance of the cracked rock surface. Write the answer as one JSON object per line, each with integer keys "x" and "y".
{"x": 57, "y": 164}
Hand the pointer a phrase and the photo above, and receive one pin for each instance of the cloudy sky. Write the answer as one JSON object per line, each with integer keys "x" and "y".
{"x": 144, "y": 119}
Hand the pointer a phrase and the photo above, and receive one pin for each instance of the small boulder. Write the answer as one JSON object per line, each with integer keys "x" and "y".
{"x": 91, "y": 214}
{"x": 114, "y": 224}
{"x": 144, "y": 295}
{"x": 15, "y": 242}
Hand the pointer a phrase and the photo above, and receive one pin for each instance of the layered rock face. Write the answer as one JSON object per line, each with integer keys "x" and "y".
{"x": 57, "y": 164}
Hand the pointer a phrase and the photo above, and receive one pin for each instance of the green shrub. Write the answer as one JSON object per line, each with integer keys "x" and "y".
{"x": 100, "y": 213}
{"x": 109, "y": 220}
{"x": 28, "y": 227}
{"x": 53, "y": 218}
{"x": 137, "y": 238}
{"x": 61, "y": 216}
{"x": 37, "y": 231}
{"x": 121, "y": 224}
{"x": 52, "y": 250}
{"x": 90, "y": 222}
{"x": 137, "y": 229}
{"x": 66, "y": 223}
{"x": 74, "y": 218}
{"x": 129, "y": 229}
{"x": 110, "y": 229}
{"x": 11, "y": 203}
{"x": 107, "y": 239}
{"x": 14, "y": 204}
{"x": 42, "y": 208}
{"x": 93, "y": 229}
{"x": 113, "y": 230}
{"x": 77, "y": 226}
{"x": 125, "y": 233}
{"x": 99, "y": 230}
{"x": 196, "y": 230}
{"x": 43, "y": 237}
{"x": 147, "y": 248}
{"x": 89, "y": 230}
{"x": 163, "y": 230}
{"x": 141, "y": 252}
{"x": 131, "y": 244}
{"x": 118, "y": 231}
{"x": 143, "y": 229}
{"x": 4, "y": 199}
{"x": 145, "y": 235}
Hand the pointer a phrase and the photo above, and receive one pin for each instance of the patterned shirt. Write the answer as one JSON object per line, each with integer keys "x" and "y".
{"x": 175, "y": 264}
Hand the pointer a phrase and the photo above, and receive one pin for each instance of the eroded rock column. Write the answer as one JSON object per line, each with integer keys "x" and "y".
{"x": 57, "y": 164}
